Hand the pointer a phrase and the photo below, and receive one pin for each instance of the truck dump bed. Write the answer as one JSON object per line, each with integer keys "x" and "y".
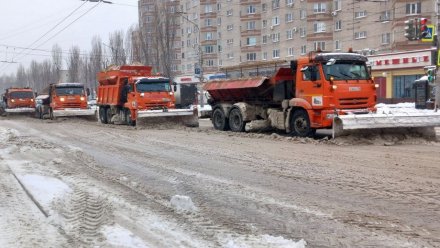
{"x": 112, "y": 81}
{"x": 247, "y": 89}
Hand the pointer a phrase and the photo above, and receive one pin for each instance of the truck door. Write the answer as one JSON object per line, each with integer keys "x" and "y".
{"x": 309, "y": 85}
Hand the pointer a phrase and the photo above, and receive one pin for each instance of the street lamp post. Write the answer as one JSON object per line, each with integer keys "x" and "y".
{"x": 200, "y": 56}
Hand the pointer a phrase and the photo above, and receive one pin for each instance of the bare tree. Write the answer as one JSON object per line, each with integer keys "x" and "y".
{"x": 73, "y": 64}
{"x": 116, "y": 43}
{"x": 21, "y": 76}
{"x": 57, "y": 60}
{"x": 96, "y": 58}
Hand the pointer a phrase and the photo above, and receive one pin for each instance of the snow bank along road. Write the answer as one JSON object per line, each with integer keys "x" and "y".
{"x": 71, "y": 183}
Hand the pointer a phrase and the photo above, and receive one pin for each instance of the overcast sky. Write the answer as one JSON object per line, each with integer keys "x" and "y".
{"x": 23, "y": 22}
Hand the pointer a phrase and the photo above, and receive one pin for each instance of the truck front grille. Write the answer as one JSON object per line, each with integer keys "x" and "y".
{"x": 353, "y": 101}
{"x": 71, "y": 105}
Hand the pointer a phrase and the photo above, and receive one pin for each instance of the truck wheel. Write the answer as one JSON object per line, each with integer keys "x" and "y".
{"x": 108, "y": 115}
{"x": 219, "y": 120}
{"x": 300, "y": 124}
{"x": 236, "y": 122}
{"x": 102, "y": 115}
{"x": 128, "y": 119}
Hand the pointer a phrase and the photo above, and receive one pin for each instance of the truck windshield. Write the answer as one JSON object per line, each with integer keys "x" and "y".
{"x": 21, "y": 94}
{"x": 346, "y": 70}
{"x": 69, "y": 91}
{"x": 153, "y": 85}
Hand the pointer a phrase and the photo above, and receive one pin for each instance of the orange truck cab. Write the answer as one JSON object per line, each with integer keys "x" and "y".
{"x": 66, "y": 99}
{"x": 298, "y": 98}
{"x": 19, "y": 100}
{"x": 130, "y": 92}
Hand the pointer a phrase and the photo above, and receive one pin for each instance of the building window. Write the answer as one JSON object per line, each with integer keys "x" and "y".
{"x": 208, "y": 36}
{"x": 251, "y": 41}
{"x": 385, "y": 16}
{"x": 289, "y": 3}
{"x": 386, "y": 38}
{"x": 251, "y": 56}
{"x": 303, "y": 49}
{"x": 319, "y": 45}
{"x": 337, "y": 4}
{"x": 289, "y": 34}
{"x": 275, "y": 21}
{"x": 208, "y": 8}
{"x": 276, "y": 37}
{"x": 337, "y": 45}
{"x": 264, "y": 41}
{"x": 360, "y": 35}
{"x": 229, "y": 12}
{"x": 319, "y": 8}
{"x": 289, "y": 17}
{"x": 275, "y": 4}
{"x": 251, "y": 9}
{"x": 230, "y": 55}
{"x": 290, "y": 51}
{"x": 338, "y": 25}
{"x": 264, "y": 23}
{"x": 319, "y": 27}
{"x": 209, "y": 49}
{"x": 210, "y": 62}
{"x": 302, "y": 14}
{"x": 250, "y": 25}
{"x": 360, "y": 14}
{"x": 230, "y": 41}
{"x": 413, "y": 8}
{"x": 264, "y": 7}
{"x": 230, "y": 27}
{"x": 219, "y": 21}
{"x": 302, "y": 32}
{"x": 208, "y": 22}
{"x": 403, "y": 86}
{"x": 275, "y": 53}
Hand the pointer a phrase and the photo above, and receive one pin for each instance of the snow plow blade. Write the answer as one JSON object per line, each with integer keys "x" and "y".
{"x": 186, "y": 117}
{"x": 386, "y": 123}
{"x": 20, "y": 110}
{"x": 74, "y": 112}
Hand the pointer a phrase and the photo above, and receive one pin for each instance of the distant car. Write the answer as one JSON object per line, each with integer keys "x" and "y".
{"x": 40, "y": 109}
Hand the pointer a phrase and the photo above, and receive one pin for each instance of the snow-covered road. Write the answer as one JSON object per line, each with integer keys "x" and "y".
{"x": 71, "y": 183}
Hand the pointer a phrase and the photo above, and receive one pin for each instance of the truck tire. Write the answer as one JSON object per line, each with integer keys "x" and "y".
{"x": 219, "y": 120}
{"x": 102, "y": 115}
{"x": 236, "y": 122}
{"x": 300, "y": 124}
{"x": 108, "y": 115}
{"x": 128, "y": 119}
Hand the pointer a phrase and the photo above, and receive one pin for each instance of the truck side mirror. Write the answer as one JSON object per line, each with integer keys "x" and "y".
{"x": 88, "y": 91}
{"x": 175, "y": 88}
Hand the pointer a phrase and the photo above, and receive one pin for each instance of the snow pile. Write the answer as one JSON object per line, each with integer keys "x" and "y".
{"x": 120, "y": 237}
{"x": 182, "y": 203}
{"x": 265, "y": 240}
{"x": 45, "y": 189}
{"x": 403, "y": 108}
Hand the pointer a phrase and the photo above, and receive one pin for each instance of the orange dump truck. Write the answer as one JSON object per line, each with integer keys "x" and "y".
{"x": 319, "y": 91}
{"x": 130, "y": 93}
{"x": 18, "y": 100}
{"x": 64, "y": 99}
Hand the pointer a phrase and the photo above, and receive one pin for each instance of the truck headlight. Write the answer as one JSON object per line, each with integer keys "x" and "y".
{"x": 32, "y": 100}
{"x": 82, "y": 98}
{"x": 12, "y": 100}
{"x": 62, "y": 99}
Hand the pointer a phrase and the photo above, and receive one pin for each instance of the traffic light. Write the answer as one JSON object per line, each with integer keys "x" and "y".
{"x": 431, "y": 75}
{"x": 410, "y": 31}
{"x": 423, "y": 28}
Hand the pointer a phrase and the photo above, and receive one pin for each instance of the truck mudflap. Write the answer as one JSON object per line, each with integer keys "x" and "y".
{"x": 20, "y": 110}
{"x": 407, "y": 123}
{"x": 74, "y": 112}
{"x": 186, "y": 117}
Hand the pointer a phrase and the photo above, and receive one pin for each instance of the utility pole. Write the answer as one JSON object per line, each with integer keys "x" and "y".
{"x": 436, "y": 42}
{"x": 200, "y": 57}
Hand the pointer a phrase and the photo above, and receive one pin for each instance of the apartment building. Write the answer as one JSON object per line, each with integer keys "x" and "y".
{"x": 222, "y": 33}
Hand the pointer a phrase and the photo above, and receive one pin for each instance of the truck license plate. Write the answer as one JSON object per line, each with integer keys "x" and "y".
{"x": 354, "y": 89}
